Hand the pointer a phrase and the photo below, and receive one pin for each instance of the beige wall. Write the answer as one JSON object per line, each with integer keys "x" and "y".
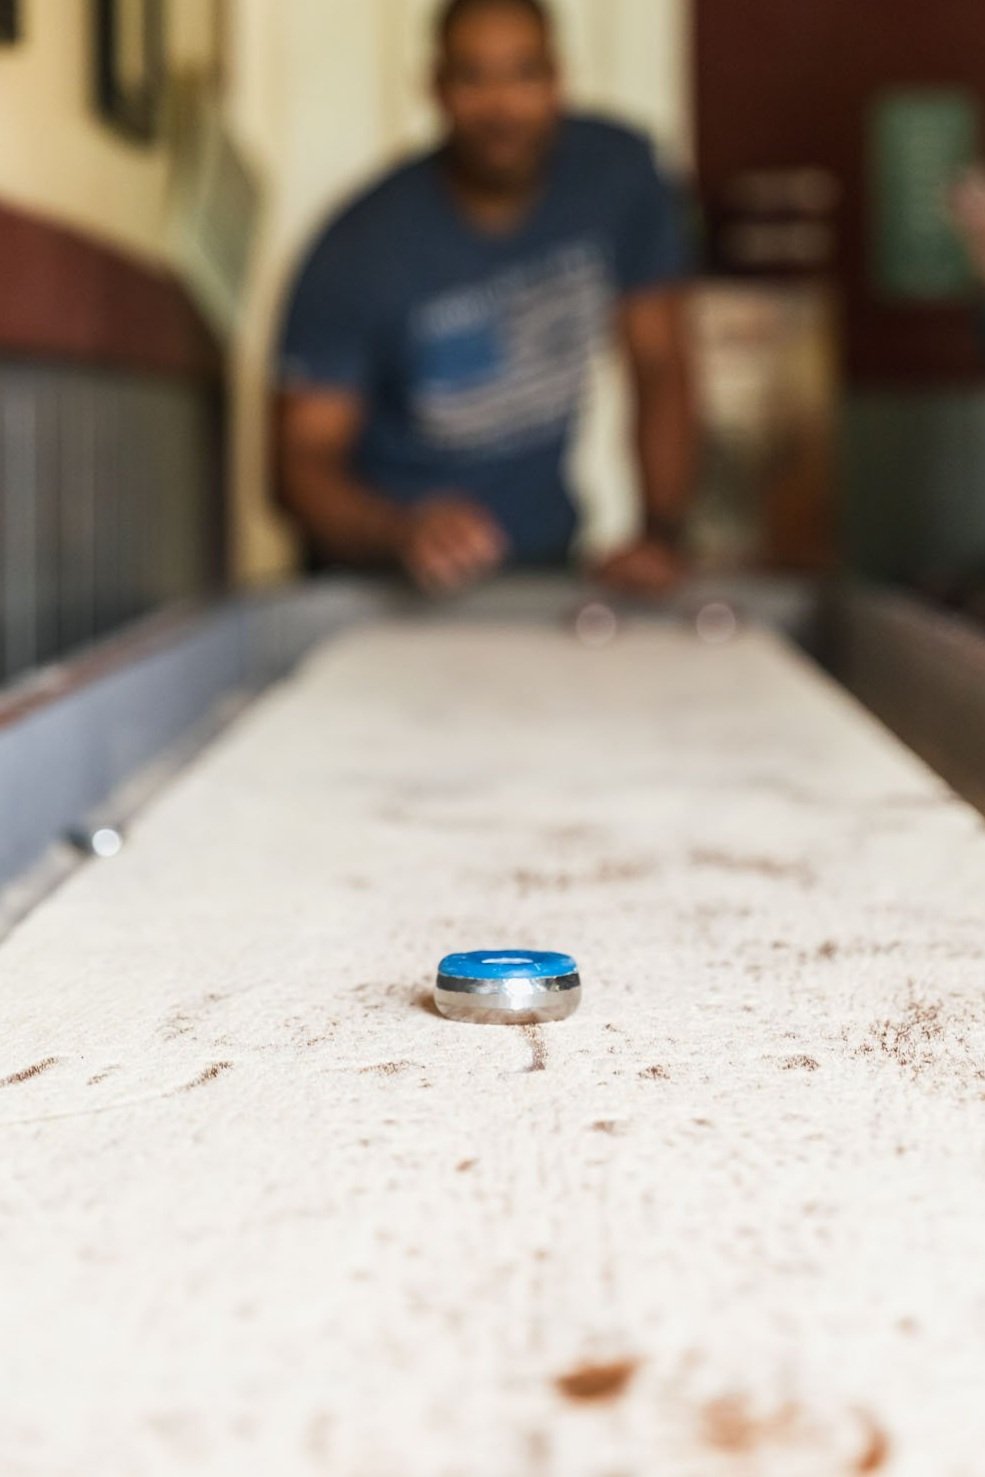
{"x": 57, "y": 157}
{"x": 330, "y": 89}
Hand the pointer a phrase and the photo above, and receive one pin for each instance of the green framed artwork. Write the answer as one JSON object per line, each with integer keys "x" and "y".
{"x": 921, "y": 141}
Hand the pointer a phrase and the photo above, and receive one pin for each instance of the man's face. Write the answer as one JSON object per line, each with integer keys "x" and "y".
{"x": 498, "y": 88}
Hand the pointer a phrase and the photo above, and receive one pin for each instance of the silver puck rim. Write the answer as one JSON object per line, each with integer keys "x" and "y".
{"x": 513, "y": 1001}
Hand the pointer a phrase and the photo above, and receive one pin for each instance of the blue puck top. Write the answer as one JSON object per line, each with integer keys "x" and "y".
{"x": 507, "y": 964}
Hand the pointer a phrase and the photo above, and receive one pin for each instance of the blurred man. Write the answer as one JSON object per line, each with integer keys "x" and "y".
{"x": 435, "y": 350}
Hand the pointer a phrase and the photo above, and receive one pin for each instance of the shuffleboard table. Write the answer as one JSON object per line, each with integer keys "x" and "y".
{"x": 264, "y": 1211}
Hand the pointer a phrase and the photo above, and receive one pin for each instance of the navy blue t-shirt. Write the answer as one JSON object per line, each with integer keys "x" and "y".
{"x": 471, "y": 348}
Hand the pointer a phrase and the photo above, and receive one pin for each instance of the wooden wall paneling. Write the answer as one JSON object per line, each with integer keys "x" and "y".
{"x": 66, "y": 297}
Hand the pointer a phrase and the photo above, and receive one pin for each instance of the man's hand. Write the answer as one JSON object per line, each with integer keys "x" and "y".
{"x": 647, "y": 569}
{"x": 444, "y": 543}
{"x": 449, "y": 544}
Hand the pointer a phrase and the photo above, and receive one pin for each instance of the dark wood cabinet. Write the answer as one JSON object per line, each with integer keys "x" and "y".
{"x": 797, "y": 104}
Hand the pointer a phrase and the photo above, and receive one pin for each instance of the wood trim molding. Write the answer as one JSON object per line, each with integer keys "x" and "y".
{"x": 68, "y": 297}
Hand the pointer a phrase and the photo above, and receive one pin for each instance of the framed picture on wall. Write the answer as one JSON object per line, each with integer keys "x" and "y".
{"x": 10, "y": 21}
{"x": 130, "y": 69}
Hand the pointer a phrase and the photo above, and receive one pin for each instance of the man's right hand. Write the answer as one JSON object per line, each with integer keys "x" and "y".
{"x": 450, "y": 543}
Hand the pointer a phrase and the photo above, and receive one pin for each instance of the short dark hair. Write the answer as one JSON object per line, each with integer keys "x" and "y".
{"x": 450, "y": 12}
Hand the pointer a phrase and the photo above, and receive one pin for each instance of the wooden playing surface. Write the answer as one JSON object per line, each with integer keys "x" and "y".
{"x": 262, "y": 1211}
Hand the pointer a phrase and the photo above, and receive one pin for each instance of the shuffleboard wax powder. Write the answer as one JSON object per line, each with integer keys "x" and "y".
{"x": 512, "y": 987}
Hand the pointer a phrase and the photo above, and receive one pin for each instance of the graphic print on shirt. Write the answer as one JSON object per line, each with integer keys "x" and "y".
{"x": 499, "y": 367}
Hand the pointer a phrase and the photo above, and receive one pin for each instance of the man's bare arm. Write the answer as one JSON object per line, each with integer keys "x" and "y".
{"x": 654, "y": 337}
{"x": 655, "y": 334}
{"x": 317, "y": 431}
{"x": 444, "y": 542}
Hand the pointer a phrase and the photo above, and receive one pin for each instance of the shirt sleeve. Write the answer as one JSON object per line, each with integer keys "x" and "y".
{"x": 653, "y": 243}
{"x": 328, "y": 333}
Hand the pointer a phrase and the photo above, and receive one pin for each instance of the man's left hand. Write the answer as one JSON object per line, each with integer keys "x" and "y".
{"x": 648, "y": 569}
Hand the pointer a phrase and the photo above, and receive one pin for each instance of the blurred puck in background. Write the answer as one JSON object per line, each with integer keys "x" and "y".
{"x": 716, "y": 622}
{"x": 595, "y": 625}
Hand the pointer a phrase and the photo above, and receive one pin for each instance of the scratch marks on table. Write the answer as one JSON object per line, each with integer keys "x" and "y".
{"x": 538, "y": 1049}
{"x": 137, "y": 1100}
{"x": 911, "y": 1040}
{"x": 216, "y": 1069}
{"x": 574, "y": 833}
{"x": 608, "y": 872}
{"x": 801, "y": 1064}
{"x": 597, "y": 1383}
{"x": 731, "y": 1424}
{"x": 388, "y": 1069}
{"x": 877, "y": 1449}
{"x": 613, "y": 1127}
{"x": 184, "y": 1020}
{"x": 772, "y": 868}
{"x": 925, "y": 1037}
{"x": 177, "y": 1024}
{"x": 27, "y": 1074}
{"x": 99, "y": 1077}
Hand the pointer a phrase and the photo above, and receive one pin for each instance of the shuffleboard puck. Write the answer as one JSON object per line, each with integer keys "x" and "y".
{"x": 508, "y": 987}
